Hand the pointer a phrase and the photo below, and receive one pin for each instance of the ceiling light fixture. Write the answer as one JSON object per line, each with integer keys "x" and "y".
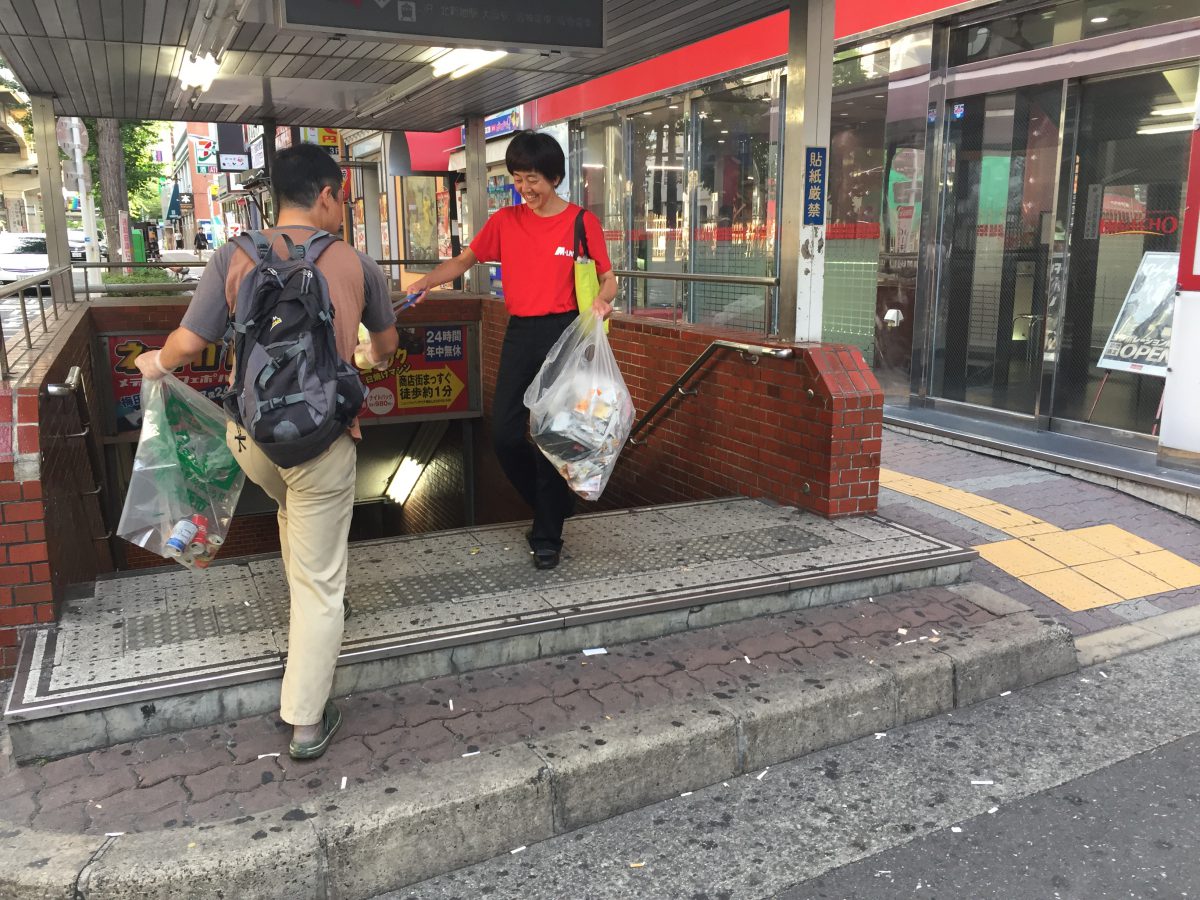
{"x": 198, "y": 71}
{"x": 460, "y": 62}
{"x": 1099, "y": 20}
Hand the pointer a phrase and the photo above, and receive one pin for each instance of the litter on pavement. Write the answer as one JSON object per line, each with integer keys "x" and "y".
{"x": 595, "y": 651}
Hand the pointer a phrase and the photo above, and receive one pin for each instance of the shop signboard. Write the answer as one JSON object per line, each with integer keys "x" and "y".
{"x": 206, "y": 154}
{"x": 209, "y": 375}
{"x": 445, "y": 247}
{"x": 231, "y": 148}
{"x": 1140, "y": 340}
{"x": 562, "y": 25}
{"x": 429, "y": 375}
{"x": 283, "y": 137}
{"x": 258, "y": 157}
{"x": 498, "y": 125}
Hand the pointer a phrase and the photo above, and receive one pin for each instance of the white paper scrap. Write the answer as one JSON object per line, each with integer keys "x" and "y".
{"x": 265, "y": 755}
{"x": 472, "y": 753}
{"x": 747, "y": 659}
{"x": 935, "y": 631}
{"x": 763, "y": 772}
{"x": 452, "y": 705}
{"x": 983, "y": 781}
{"x": 113, "y": 833}
{"x": 880, "y": 735}
{"x": 956, "y": 830}
{"x": 516, "y": 850}
{"x": 686, "y": 794}
{"x": 1086, "y": 680}
{"x": 901, "y": 631}
{"x": 993, "y": 810}
{"x": 343, "y": 787}
{"x": 1102, "y": 675}
{"x": 595, "y": 651}
{"x": 1005, "y": 693}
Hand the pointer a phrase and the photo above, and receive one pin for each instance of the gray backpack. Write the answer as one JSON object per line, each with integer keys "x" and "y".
{"x": 291, "y": 391}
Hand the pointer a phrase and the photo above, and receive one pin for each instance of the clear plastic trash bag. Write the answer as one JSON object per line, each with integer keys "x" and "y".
{"x": 580, "y": 411}
{"x": 185, "y": 482}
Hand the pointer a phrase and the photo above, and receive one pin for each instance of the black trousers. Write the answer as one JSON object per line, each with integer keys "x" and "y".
{"x": 526, "y": 342}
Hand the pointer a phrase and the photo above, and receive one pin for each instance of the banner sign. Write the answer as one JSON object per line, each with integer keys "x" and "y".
{"x": 430, "y": 374}
{"x": 564, "y": 25}
{"x": 1140, "y": 340}
{"x": 209, "y": 375}
{"x": 814, "y": 186}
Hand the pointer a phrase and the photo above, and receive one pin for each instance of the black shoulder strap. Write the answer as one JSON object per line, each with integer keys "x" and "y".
{"x": 257, "y": 245}
{"x": 316, "y": 245}
{"x": 581, "y": 247}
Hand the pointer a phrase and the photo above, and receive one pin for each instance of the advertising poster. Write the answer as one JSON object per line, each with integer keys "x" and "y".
{"x": 445, "y": 249}
{"x": 428, "y": 375}
{"x": 384, "y": 230}
{"x": 210, "y": 375}
{"x": 1140, "y": 340}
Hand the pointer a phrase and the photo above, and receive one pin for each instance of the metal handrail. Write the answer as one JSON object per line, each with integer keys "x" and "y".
{"x": 19, "y": 288}
{"x": 757, "y": 280}
{"x": 750, "y": 352}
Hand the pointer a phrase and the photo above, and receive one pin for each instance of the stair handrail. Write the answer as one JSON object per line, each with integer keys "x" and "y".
{"x": 749, "y": 352}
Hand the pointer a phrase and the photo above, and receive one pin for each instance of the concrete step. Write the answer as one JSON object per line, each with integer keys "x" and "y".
{"x": 529, "y": 751}
{"x": 170, "y": 650}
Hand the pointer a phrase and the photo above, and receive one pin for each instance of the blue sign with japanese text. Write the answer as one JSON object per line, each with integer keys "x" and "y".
{"x": 814, "y": 185}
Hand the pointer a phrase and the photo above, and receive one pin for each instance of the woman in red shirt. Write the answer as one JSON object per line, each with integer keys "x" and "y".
{"x": 534, "y": 243}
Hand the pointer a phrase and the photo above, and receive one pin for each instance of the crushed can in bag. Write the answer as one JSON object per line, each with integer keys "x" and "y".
{"x": 181, "y": 538}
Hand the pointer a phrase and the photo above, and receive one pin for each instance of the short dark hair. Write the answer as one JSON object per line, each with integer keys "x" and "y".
{"x": 301, "y": 173}
{"x": 531, "y": 151}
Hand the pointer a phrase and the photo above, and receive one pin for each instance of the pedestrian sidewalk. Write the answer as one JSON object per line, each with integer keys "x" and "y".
{"x": 1091, "y": 557}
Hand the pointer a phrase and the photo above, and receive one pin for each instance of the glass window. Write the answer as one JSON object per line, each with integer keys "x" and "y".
{"x": 420, "y": 220}
{"x": 658, "y": 189}
{"x": 738, "y": 127}
{"x": 602, "y": 185}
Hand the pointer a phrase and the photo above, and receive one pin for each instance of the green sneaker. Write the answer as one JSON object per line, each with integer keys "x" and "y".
{"x": 331, "y": 721}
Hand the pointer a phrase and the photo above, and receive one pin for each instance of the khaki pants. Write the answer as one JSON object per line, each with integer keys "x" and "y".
{"x": 316, "y": 501}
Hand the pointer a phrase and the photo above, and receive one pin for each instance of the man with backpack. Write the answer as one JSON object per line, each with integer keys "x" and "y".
{"x": 294, "y": 297}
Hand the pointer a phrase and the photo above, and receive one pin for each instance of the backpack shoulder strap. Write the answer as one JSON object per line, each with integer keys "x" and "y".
{"x": 256, "y": 245}
{"x": 316, "y": 245}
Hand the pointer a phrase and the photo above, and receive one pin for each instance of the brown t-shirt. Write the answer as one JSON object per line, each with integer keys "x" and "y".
{"x": 357, "y": 289}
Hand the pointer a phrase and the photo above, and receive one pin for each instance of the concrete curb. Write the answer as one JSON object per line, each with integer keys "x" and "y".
{"x": 1141, "y": 635}
{"x": 401, "y": 830}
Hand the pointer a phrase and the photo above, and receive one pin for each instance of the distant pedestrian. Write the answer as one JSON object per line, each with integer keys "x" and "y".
{"x": 179, "y": 242}
{"x": 315, "y": 497}
{"x": 201, "y": 242}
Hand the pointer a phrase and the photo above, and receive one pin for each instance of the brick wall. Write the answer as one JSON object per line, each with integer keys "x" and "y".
{"x": 805, "y": 432}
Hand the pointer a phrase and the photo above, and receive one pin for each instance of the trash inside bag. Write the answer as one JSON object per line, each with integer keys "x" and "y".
{"x": 580, "y": 411}
{"x": 185, "y": 482}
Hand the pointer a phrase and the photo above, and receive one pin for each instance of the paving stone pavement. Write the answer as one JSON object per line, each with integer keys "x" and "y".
{"x": 242, "y": 768}
{"x": 1058, "y": 499}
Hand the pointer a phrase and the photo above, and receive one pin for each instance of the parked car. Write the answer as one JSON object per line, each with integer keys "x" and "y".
{"x": 21, "y": 255}
{"x": 78, "y": 244}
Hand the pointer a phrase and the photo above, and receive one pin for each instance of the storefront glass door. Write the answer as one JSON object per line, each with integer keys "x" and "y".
{"x": 1002, "y": 158}
{"x": 1131, "y": 158}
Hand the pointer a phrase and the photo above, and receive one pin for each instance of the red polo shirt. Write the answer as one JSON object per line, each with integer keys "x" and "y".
{"x": 537, "y": 256}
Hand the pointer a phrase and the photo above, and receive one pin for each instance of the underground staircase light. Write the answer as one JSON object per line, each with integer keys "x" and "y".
{"x": 1166, "y": 129}
{"x": 198, "y": 71}
{"x": 460, "y": 62}
{"x": 407, "y": 475}
{"x": 1182, "y": 109}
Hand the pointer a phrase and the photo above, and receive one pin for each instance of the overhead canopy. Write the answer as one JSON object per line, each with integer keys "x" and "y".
{"x": 121, "y": 59}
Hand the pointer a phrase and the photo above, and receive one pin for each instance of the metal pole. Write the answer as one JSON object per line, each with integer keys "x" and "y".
{"x": 54, "y": 213}
{"x": 477, "y": 191}
{"x": 92, "y": 244}
{"x": 806, "y": 128}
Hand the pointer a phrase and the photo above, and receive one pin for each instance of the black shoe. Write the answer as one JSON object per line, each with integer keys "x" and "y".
{"x": 545, "y": 558}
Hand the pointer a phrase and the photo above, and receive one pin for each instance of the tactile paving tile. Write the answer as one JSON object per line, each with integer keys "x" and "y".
{"x": 432, "y": 587}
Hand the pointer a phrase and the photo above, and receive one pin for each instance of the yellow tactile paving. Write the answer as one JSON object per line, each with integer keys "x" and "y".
{"x": 1123, "y": 579}
{"x": 1166, "y": 566}
{"x": 1068, "y": 588}
{"x": 1067, "y": 548}
{"x": 1080, "y": 569}
{"x": 1117, "y": 541}
{"x": 1031, "y": 530}
{"x": 1017, "y": 558}
{"x": 1001, "y": 517}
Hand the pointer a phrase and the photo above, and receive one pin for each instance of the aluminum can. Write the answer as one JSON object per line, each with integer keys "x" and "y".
{"x": 181, "y": 537}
